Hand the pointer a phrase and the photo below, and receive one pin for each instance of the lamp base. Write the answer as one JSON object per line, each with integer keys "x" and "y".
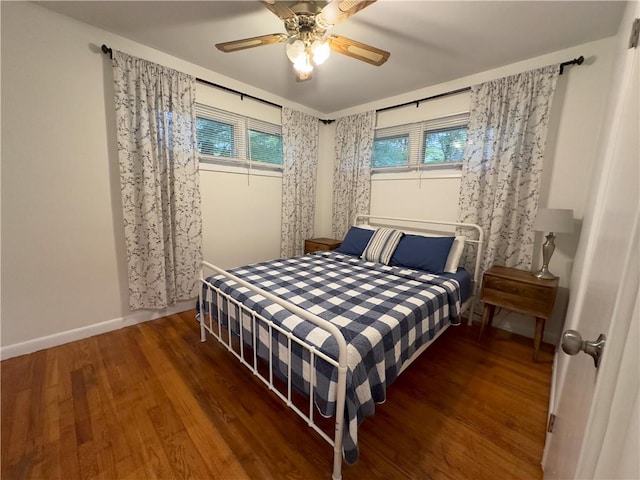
{"x": 544, "y": 274}
{"x": 547, "y": 250}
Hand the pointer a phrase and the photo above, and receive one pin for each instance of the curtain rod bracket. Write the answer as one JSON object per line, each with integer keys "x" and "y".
{"x": 575, "y": 61}
{"x": 326, "y": 121}
{"x": 107, "y": 51}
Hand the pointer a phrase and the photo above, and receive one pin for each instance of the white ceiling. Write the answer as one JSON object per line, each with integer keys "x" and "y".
{"x": 430, "y": 42}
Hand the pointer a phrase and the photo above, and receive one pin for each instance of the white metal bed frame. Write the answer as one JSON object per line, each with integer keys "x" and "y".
{"x": 226, "y": 337}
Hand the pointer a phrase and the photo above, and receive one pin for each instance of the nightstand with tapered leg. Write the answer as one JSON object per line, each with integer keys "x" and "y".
{"x": 321, "y": 244}
{"x": 520, "y": 291}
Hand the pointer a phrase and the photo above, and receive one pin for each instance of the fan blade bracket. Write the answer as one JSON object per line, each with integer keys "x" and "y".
{"x": 252, "y": 42}
{"x": 358, "y": 50}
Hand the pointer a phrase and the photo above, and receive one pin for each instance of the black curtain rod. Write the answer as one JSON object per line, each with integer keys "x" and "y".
{"x": 242, "y": 95}
{"x": 108, "y": 51}
{"x": 417, "y": 102}
{"x": 575, "y": 61}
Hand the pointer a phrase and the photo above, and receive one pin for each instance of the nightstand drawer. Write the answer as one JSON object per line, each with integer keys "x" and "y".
{"x": 321, "y": 244}
{"x": 536, "y": 300}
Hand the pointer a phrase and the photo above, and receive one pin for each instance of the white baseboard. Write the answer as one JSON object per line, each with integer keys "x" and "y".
{"x": 61, "y": 338}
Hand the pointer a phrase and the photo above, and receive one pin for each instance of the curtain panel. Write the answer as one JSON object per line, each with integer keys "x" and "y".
{"x": 156, "y": 135}
{"x": 503, "y": 160}
{"x": 352, "y": 170}
{"x": 300, "y": 147}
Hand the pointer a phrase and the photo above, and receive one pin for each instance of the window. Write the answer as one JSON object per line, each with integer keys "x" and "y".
{"x": 225, "y": 137}
{"x": 445, "y": 145}
{"x": 265, "y": 147}
{"x": 391, "y": 151}
{"x": 421, "y": 145}
{"x": 215, "y": 138}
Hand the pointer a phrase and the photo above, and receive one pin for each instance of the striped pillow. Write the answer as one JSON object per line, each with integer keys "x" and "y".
{"x": 382, "y": 245}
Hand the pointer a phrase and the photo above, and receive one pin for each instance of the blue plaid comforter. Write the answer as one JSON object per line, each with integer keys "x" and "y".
{"x": 385, "y": 314}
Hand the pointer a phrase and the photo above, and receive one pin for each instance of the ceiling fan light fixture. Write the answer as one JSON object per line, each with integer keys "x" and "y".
{"x": 303, "y": 76}
{"x": 307, "y": 44}
{"x": 296, "y": 51}
{"x": 303, "y": 65}
{"x": 320, "y": 50}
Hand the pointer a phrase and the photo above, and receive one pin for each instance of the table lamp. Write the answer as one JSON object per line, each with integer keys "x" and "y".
{"x": 551, "y": 220}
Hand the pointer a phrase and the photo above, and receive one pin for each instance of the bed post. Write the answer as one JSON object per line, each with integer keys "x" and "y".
{"x": 341, "y": 398}
{"x": 201, "y": 316}
{"x": 477, "y": 274}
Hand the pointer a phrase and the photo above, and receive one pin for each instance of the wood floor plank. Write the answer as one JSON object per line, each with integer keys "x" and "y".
{"x": 152, "y": 401}
{"x": 18, "y": 438}
{"x": 181, "y": 398}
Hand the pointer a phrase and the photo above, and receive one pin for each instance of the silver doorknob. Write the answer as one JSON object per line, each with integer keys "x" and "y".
{"x": 572, "y": 344}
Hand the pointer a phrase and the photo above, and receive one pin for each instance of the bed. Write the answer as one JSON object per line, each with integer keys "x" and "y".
{"x": 338, "y": 327}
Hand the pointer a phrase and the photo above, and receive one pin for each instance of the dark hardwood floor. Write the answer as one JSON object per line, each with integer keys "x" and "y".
{"x": 151, "y": 401}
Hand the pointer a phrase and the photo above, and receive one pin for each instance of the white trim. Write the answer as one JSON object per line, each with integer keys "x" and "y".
{"x": 256, "y": 170}
{"x": 378, "y": 175}
{"x": 56, "y": 339}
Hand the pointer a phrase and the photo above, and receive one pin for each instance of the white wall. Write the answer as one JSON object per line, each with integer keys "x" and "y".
{"x": 575, "y": 121}
{"x": 324, "y": 182}
{"x": 63, "y": 255}
{"x": 241, "y": 209}
{"x": 61, "y": 220}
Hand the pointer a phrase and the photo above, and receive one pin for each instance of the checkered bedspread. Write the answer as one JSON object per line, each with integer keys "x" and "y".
{"x": 385, "y": 314}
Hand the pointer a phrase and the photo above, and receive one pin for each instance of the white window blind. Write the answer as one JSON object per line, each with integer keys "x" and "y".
{"x": 413, "y": 145}
{"x": 226, "y": 137}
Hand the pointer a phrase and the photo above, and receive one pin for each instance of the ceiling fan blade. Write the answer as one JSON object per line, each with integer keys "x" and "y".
{"x": 339, "y": 10}
{"x": 279, "y": 8}
{"x": 251, "y": 42}
{"x": 358, "y": 50}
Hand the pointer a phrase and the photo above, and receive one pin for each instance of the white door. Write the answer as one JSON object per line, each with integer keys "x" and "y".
{"x": 595, "y": 434}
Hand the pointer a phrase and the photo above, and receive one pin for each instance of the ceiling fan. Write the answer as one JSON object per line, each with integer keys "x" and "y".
{"x": 308, "y": 44}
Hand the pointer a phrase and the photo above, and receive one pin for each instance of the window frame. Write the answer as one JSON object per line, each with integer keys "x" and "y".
{"x": 416, "y": 133}
{"x": 241, "y": 125}
{"x": 238, "y": 141}
{"x": 425, "y": 133}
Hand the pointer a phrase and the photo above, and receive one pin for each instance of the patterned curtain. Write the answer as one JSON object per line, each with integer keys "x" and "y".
{"x": 352, "y": 172}
{"x": 300, "y": 144}
{"x": 502, "y": 163}
{"x": 155, "y": 114}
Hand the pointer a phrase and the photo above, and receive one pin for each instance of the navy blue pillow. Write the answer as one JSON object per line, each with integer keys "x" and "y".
{"x": 422, "y": 253}
{"x": 355, "y": 241}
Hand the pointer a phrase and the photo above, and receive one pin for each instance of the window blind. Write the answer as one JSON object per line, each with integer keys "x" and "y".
{"x": 404, "y": 145}
{"x": 226, "y": 137}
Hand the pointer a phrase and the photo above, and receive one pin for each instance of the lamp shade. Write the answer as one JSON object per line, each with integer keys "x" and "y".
{"x": 555, "y": 220}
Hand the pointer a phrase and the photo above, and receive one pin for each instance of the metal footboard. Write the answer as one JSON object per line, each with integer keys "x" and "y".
{"x": 236, "y": 343}
{"x": 226, "y": 336}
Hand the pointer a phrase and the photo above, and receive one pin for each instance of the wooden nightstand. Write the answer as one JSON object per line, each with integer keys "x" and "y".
{"x": 520, "y": 291}
{"x": 323, "y": 244}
